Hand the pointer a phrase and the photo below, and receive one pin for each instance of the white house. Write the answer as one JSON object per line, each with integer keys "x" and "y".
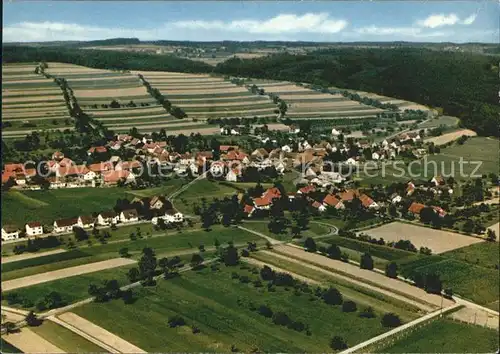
{"x": 171, "y": 216}
{"x": 34, "y": 228}
{"x": 317, "y": 205}
{"x": 396, "y": 198}
{"x": 89, "y": 176}
{"x": 66, "y": 225}
{"x": 107, "y": 218}
{"x": 375, "y": 156}
{"x": 10, "y": 233}
{"x": 232, "y": 176}
{"x": 156, "y": 203}
{"x": 129, "y": 215}
{"x": 335, "y": 132}
{"x": 87, "y": 221}
{"x": 350, "y": 161}
{"x": 286, "y": 148}
{"x": 217, "y": 169}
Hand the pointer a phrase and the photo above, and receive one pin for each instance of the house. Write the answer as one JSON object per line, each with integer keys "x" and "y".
{"x": 351, "y": 161}
{"x": 293, "y": 129}
{"x": 236, "y": 156}
{"x": 66, "y": 225}
{"x": 107, "y": 218}
{"x": 415, "y": 208}
{"x": 100, "y": 167}
{"x": 129, "y": 215}
{"x": 57, "y": 156}
{"x": 438, "y": 180}
{"x": 226, "y": 148}
{"x": 271, "y": 193}
{"x": 232, "y": 175}
{"x": 286, "y": 148}
{"x": 335, "y": 132}
{"x": 262, "y": 203}
{"x": 217, "y": 168}
{"x": 174, "y": 216}
{"x": 440, "y": 211}
{"x": 156, "y": 203}
{"x": 112, "y": 177}
{"x": 10, "y": 232}
{"x": 306, "y": 190}
{"x": 34, "y": 228}
{"x": 410, "y": 188}
{"x": 375, "y": 156}
{"x": 248, "y": 209}
{"x": 368, "y": 202}
{"x": 395, "y": 198}
{"x": 332, "y": 201}
{"x": 317, "y": 205}
{"x": 96, "y": 149}
{"x": 348, "y": 195}
{"x": 87, "y": 221}
{"x": 260, "y": 153}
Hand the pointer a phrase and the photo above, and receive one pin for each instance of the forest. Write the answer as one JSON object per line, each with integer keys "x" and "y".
{"x": 462, "y": 84}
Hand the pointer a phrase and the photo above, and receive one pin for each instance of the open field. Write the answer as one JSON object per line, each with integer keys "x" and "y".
{"x": 209, "y": 95}
{"x": 28, "y": 341}
{"x": 314, "y": 230}
{"x": 64, "y": 273}
{"x": 21, "y": 257}
{"x": 484, "y": 254}
{"x": 218, "y": 306}
{"x": 446, "y": 336}
{"x": 437, "y": 240}
{"x": 99, "y": 333}
{"x": 306, "y": 103}
{"x": 446, "y": 138}
{"x": 21, "y": 89}
{"x": 63, "y": 338}
{"x": 442, "y": 120}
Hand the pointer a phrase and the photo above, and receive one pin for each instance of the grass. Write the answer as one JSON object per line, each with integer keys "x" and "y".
{"x": 313, "y": 230}
{"x": 479, "y": 284}
{"x": 6, "y": 347}
{"x": 436, "y": 122}
{"x": 26, "y": 263}
{"x": 218, "y": 306}
{"x": 484, "y": 254}
{"x": 447, "y": 336}
{"x": 362, "y": 296}
{"x": 65, "y": 339}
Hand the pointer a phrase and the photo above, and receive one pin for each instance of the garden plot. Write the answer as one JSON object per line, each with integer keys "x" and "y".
{"x": 437, "y": 240}
{"x": 29, "y": 98}
{"x": 204, "y": 96}
{"x": 305, "y": 103}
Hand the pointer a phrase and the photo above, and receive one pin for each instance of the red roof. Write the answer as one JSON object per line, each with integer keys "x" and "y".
{"x": 416, "y": 208}
{"x": 97, "y": 149}
{"x": 34, "y": 224}
{"x": 66, "y": 222}
{"x": 348, "y": 195}
{"x": 99, "y": 167}
{"x": 331, "y": 200}
{"x": 271, "y": 194}
{"x": 228, "y": 147}
{"x": 235, "y": 155}
{"x": 57, "y": 155}
{"x": 439, "y": 210}
{"x": 66, "y": 162}
{"x": 72, "y": 170}
{"x": 316, "y": 204}
{"x": 12, "y": 167}
{"x": 307, "y": 189}
{"x": 7, "y": 175}
{"x": 366, "y": 200}
{"x": 115, "y": 176}
{"x": 248, "y": 209}
{"x": 261, "y": 201}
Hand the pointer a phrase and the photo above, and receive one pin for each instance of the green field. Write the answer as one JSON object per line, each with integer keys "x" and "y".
{"x": 484, "y": 254}
{"x": 220, "y": 307}
{"x": 447, "y": 336}
{"x": 65, "y": 339}
{"x": 33, "y": 262}
{"x": 7, "y": 347}
{"x": 442, "y": 120}
{"x": 313, "y": 230}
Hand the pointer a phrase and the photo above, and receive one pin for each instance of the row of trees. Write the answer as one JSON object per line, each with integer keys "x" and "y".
{"x": 175, "y": 111}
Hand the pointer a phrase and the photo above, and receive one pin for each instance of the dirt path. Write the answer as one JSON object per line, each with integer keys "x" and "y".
{"x": 476, "y": 316}
{"x": 97, "y": 334}
{"x": 24, "y": 256}
{"x": 30, "y": 342}
{"x": 64, "y": 273}
{"x": 410, "y": 301}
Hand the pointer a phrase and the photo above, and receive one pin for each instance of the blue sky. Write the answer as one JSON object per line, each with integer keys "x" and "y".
{"x": 422, "y": 21}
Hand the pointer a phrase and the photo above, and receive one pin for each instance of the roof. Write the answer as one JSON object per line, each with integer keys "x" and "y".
{"x": 99, "y": 167}
{"x": 228, "y": 147}
{"x": 130, "y": 213}
{"x": 127, "y": 165}
{"x": 66, "y": 162}
{"x": 73, "y": 170}
{"x": 316, "y": 204}
{"x": 10, "y": 228}
{"x": 307, "y": 189}
{"x": 366, "y": 200}
{"x": 206, "y": 154}
{"x": 439, "y": 210}
{"x": 87, "y": 219}
{"x": 108, "y": 214}
{"x": 115, "y": 176}
{"x": 98, "y": 149}
{"x": 271, "y": 193}
{"x": 260, "y": 151}
{"x": 67, "y": 222}
{"x": 7, "y": 175}
{"x": 34, "y": 224}
{"x": 261, "y": 201}
{"x": 12, "y": 167}
{"x": 248, "y": 209}
{"x": 235, "y": 155}
{"x": 416, "y": 208}
{"x": 348, "y": 195}
{"x": 57, "y": 155}
{"x": 331, "y": 200}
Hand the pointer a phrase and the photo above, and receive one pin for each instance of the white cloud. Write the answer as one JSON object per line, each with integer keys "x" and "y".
{"x": 440, "y": 20}
{"x": 382, "y": 31}
{"x": 284, "y": 23}
{"x": 469, "y": 20}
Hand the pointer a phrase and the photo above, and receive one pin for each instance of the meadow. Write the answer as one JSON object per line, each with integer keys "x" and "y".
{"x": 220, "y": 307}
{"x": 446, "y": 336}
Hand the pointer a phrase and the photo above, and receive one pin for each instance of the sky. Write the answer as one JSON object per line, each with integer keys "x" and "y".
{"x": 321, "y": 21}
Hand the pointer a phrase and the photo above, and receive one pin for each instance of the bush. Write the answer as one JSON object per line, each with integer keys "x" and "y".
{"x": 366, "y": 262}
{"x": 349, "y": 306}
{"x": 391, "y": 320}
{"x": 367, "y": 312}
{"x": 281, "y": 319}
{"x": 391, "y": 270}
{"x": 332, "y": 296}
{"x": 265, "y": 311}
{"x": 338, "y": 343}
{"x": 176, "y": 321}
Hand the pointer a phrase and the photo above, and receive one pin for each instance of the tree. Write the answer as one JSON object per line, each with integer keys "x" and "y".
{"x": 349, "y": 306}
{"x": 366, "y": 261}
{"x": 281, "y": 319}
{"x": 124, "y": 252}
{"x": 147, "y": 263}
{"x": 80, "y": 233}
{"x": 390, "y": 320}
{"x": 265, "y": 311}
{"x": 332, "y": 296}
{"x": 448, "y": 293}
{"x": 196, "y": 261}
{"x": 338, "y": 343}
{"x": 310, "y": 245}
{"x": 333, "y": 251}
{"x": 267, "y": 274}
{"x": 230, "y": 255}
{"x": 491, "y": 236}
{"x": 176, "y": 321}
{"x": 391, "y": 270}
{"x": 32, "y": 320}
{"x": 433, "y": 283}
{"x": 133, "y": 275}
{"x": 367, "y": 312}
{"x": 128, "y": 296}
{"x": 112, "y": 288}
